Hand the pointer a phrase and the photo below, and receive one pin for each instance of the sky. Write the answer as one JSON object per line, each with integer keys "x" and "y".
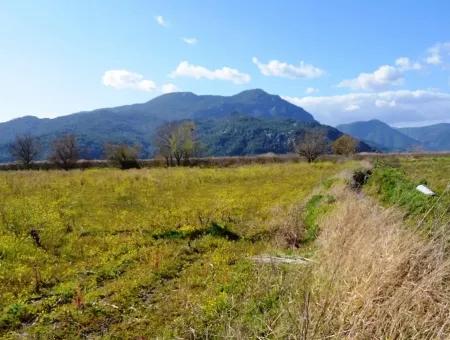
{"x": 342, "y": 61}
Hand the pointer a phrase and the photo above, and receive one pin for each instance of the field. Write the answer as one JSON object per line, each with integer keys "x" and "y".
{"x": 167, "y": 253}
{"x": 146, "y": 252}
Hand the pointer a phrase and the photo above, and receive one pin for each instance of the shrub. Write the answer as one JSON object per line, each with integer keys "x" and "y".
{"x": 344, "y": 145}
{"x": 125, "y": 156}
{"x": 360, "y": 178}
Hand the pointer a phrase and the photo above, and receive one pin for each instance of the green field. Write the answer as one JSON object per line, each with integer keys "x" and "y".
{"x": 166, "y": 253}
{"x": 160, "y": 252}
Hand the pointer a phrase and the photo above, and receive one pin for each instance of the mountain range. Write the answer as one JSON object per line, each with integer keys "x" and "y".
{"x": 250, "y": 122}
{"x": 383, "y": 137}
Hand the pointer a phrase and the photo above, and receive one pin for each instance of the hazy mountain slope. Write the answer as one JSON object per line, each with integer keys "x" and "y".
{"x": 379, "y": 135}
{"x": 433, "y": 137}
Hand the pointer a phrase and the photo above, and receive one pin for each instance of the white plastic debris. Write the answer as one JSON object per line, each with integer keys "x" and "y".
{"x": 425, "y": 190}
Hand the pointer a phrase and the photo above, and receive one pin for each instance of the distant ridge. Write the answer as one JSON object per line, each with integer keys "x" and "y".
{"x": 433, "y": 137}
{"x": 380, "y": 135}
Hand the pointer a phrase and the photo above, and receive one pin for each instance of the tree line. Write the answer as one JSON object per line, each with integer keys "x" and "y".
{"x": 176, "y": 142}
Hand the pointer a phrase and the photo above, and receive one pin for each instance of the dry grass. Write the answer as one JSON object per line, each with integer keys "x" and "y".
{"x": 377, "y": 279}
{"x": 102, "y": 272}
{"x": 372, "y": 278}
{"x": 288, "y": 226}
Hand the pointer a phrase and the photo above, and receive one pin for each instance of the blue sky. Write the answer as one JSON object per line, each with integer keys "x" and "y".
{"x": 340, "y": 60}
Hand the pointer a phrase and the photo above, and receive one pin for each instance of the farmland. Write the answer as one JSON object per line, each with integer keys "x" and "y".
{"x": 164, "y": 253}
{"x": 158, "y": 251}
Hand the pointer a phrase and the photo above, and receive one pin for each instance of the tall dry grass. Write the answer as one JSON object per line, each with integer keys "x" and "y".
{"x": 376, "y": 279}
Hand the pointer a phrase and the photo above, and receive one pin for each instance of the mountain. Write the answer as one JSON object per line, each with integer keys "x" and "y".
{"x": 255, "y": 103}
{"x": 380, "y": 135}
{"x": 240, "y": 134}
{"x": 137, "y": 123}
{"x": 433, "y": 137}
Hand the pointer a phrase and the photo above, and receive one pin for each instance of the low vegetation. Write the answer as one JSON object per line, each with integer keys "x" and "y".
{"x": 394, "y": 181}
{"x": 149, "y": 252}
{"x": 172, "y": 252}
{"x": 375, "y": 279}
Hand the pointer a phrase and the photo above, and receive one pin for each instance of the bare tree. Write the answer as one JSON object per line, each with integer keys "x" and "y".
{"x": 124, "y": 155}
{"x": 189, "y": 143}
{"x": 65, "y": 152}
{"x": 311, "y": 145}
{"x": 344, "y": 145}
{"x": 176, "y": 141}
{"x": 25, "y": 149}
{"x": 164, "y": 141}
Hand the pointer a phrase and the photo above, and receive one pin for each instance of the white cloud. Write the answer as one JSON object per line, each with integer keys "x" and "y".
{"x": 190, "y": 41}
{"x": 185, "y": 69}
{"x": 405, "y": 64}
{"x": 278, "y": 68}
{"x": 401, "y": 107}
{"x": 169, "y": 88}
{"x": 161, "y": 21}
{"x": 383, "y": 77}
{"x": 311, "y": 90}
{"x": 392, "y": 75}
{"x": 437, "y": 52}
{"x": 123, "y": 79}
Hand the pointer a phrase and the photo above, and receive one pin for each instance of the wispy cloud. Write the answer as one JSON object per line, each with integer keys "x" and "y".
{"x": 161, "y": 21}
{"x": 123, "y": 79}
{"x": 190, "y": 41}
{"x": 276, "y": 68}
{"x": 437, "y": 52}
{"x": 185, "y": 69}
{"x": 405, "y": 64}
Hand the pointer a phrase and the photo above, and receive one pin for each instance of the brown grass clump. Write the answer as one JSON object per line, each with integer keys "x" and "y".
{"x": 376, "y": 279}
{"x": 288, "y": 226}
